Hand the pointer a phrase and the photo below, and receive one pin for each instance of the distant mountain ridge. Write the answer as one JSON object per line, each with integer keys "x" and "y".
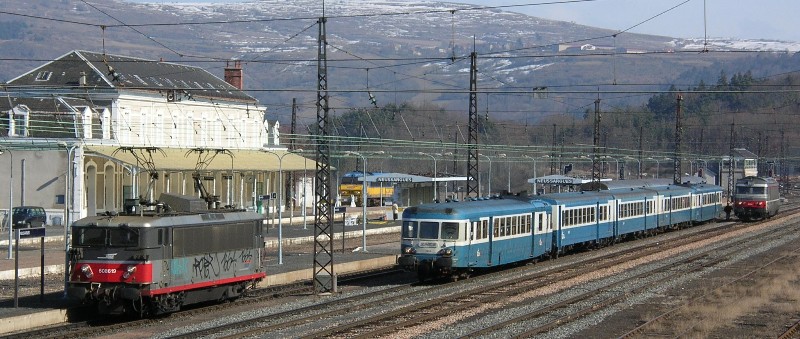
{"x": 399, "y": 51}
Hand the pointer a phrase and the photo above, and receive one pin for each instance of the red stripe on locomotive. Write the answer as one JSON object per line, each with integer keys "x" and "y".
{"x": 204, "y": 284}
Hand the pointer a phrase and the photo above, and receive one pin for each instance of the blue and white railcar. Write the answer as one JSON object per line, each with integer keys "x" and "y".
{"x": 452, "y": 239}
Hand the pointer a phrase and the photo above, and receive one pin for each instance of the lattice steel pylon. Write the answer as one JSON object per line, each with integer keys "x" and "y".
{"x": 784, "y": 174}
{"x": 553, "y": 153}
{"x": 676, "y": 161}
{"x": 290, "y": 177}
{"x": 472, "y": 139}
{"x": 596, "y": 147}
{"x": 323, "y": 220}
{"x": 731, "y": 164}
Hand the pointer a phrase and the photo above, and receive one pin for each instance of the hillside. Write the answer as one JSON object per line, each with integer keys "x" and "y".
{"x": 413, "y": 56}
{"x": 398, "y": 57}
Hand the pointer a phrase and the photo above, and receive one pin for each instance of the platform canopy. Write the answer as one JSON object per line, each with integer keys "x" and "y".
{"x": 405, "y": 178}
{"x": 185, "y": 159}
{"x": 558, "y": 180}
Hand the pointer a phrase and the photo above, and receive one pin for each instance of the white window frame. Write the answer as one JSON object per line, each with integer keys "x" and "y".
{"x": 16, "y": 115}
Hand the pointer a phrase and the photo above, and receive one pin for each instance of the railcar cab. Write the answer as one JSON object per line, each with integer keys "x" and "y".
{"x": 431, "y": 246}
{"x": 454, "y": 238}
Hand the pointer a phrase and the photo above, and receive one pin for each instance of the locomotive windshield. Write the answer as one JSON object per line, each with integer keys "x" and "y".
{"x": 750, "y": 190}
{"x": 104, "y": 236}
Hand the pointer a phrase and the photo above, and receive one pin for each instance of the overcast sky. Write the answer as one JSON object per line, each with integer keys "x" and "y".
{"x": 744, "y": 19}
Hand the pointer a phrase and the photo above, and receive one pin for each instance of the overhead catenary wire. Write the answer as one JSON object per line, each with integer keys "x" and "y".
{"x": 503, "y": 92}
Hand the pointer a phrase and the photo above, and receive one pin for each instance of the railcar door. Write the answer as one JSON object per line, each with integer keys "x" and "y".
{"x": 472, "y": 230}
{"x": 613, "y": 216}
{"x": 478, "y": 243}
{"x": 492, "y": 232}
{"x": 541, "y": 240}
{"x": 555, "y": 222}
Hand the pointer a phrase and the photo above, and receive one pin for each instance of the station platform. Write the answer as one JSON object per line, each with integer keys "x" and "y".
{"x": 296, "y": 264}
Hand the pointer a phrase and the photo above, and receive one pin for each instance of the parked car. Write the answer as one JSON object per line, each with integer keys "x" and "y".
{"x": 27, "y": 217}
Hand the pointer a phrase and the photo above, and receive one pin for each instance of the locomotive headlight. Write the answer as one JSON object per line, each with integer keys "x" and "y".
{"x": 409, "y": 250}
{"x": 87, "y": 271}
{"x": 445, "y": 252}
{"x": 129, "y": 271}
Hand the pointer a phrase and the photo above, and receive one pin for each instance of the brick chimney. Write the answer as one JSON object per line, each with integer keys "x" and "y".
{"x": 233, "y": 74}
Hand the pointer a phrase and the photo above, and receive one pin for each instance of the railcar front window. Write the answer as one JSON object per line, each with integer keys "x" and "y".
{"x": 428, "y": 230}
{"x": 409, "y": 229}
{"x": 450, "y": 231}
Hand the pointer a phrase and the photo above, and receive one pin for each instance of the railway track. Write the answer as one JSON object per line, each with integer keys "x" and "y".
{"x": 610, "y": 295}
{"x": 509, "y": 295}
{"x": 405, "y": 307}
{"x": 90, "y": 327}
{"x": 412, "y": 308}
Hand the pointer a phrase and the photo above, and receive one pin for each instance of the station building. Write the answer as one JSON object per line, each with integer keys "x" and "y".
{"x": 86, "y": 131}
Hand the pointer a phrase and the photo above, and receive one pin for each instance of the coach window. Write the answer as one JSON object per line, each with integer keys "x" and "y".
{"x": 528, "y": 223}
